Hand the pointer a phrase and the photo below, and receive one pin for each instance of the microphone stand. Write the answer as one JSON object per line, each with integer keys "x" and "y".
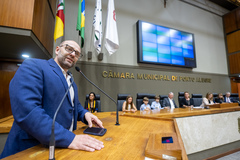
{"x": 117, "y": 121}
{"x": 52, "y": 138}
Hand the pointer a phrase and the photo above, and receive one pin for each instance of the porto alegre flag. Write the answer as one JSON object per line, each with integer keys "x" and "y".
{"x": 59, "y": 26}
{"x": 97, "y": 25}
{"x": 81, "y": 20}
{"x": 111, "y": 43}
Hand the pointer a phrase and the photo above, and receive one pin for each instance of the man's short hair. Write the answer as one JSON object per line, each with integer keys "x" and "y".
{"x": 171, "y": 93}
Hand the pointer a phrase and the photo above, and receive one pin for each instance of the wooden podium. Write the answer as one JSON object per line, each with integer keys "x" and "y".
{"x": 223, "y": 105}
{"x": 156, "y": 149}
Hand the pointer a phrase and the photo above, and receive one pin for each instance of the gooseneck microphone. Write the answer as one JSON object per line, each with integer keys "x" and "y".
{"x": 78, "y": 69}
{"x": 52, "y": 138}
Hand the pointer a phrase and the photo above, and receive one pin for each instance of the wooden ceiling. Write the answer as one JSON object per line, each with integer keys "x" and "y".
{"x": 227, "y": 4}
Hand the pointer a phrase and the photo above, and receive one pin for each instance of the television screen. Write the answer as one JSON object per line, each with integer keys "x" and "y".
{"x": 162, "y": 45}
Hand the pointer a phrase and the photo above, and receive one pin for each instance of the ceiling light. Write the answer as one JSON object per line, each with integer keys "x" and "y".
{"x": 25, "y": 55}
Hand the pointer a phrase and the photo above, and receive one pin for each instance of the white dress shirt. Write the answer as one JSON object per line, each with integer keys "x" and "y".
{"x": 171, "y": 103}
{"x": 71, "y": 92}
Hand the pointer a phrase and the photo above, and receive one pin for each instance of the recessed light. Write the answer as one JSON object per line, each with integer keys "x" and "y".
{"x": 25, "y": 55}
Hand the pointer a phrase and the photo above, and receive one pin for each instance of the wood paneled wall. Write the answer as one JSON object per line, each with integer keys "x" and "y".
{"x": 229, "y": 21}
{"x": 43, "y": 23}
{"x": 35, "y": 15}
{"x": 232, "y": 31}
{"x": 16, "y": 14}
{"x": 7, "y": 71}
{"x": 233, "y": 42}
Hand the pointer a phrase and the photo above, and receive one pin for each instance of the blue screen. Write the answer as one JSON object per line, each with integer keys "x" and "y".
{"x": 163, "y": 45}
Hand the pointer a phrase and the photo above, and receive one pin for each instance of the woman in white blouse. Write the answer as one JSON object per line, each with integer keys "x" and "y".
{"x": 207, "y": 100}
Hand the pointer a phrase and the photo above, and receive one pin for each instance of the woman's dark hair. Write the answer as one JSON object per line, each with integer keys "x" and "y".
{"x": 90, "y": 94}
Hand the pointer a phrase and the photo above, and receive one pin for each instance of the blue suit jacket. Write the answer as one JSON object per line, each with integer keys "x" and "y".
{"x": 225, "y": 99}
{"x": 35, "y": 93}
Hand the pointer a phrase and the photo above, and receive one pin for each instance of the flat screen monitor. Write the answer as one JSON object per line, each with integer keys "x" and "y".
{"x": 165, "y": 46}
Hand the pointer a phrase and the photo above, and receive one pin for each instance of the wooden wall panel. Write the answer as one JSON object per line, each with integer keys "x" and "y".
{"x": 230, "y": 23}
{"x": 234, "y": 86}
{"x": 234, "y": 61}
{"x": 53, "y": 4}
{"x": 43, "y": 24}
{"x": 16, "y": 13}
{"x": 238, "y": 17}
{"x": 7, "y": 71}
{"x": 233, "y": 42}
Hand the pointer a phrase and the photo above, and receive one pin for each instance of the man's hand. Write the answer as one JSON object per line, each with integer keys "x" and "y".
{"x": 91, "y": 119}
{"x": 86, "y": 143}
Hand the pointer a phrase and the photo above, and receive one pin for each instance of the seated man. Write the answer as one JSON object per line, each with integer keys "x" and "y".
{"x": 227, "y": 98}
{"x": 169, "y": 102}
{"x": 145, "y": 106}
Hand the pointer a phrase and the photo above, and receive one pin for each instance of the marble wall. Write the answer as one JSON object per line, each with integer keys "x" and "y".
{"x": 200, "y": 133}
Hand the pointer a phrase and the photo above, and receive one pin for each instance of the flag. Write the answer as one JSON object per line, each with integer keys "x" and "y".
{"x": 111, "y": 43}
{"x": 97, "y": 25}
{"x": 81, "y": 20}
{"x": 59, "y": 26}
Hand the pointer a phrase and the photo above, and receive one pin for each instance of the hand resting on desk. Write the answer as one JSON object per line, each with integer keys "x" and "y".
{"x": 85, "y": 142}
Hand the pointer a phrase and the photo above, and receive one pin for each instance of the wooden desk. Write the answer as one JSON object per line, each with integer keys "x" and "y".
{"x": 168, "y": 114}
{"x": 127, "y": 141}
{"x": 223, "y": 105}
{"x": 6, "y": 124}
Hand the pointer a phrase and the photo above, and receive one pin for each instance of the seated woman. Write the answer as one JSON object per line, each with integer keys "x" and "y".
{"x": 145, "y": 106}
{"x": 207, "y": 100}
{"x": 91, "y": 104}
{"x": 220, "y": 98}
{"x": 155, "y": 104}
{"x": 187, "y": 101}
{"x": 128, "y": 105}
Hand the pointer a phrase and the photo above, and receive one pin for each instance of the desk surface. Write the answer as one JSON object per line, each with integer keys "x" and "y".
{"x": 127, "y": 141}
{"x": 168, "y": 114}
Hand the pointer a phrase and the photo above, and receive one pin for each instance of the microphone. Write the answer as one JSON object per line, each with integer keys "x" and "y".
{"x": 52, "y": 138}
{"x": 117, "y": 121}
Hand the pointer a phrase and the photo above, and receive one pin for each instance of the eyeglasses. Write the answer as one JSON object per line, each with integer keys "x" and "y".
{"x": 70, "y": 49}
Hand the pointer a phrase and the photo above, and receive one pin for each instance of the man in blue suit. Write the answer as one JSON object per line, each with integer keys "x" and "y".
{"x": 227, "y": 98}
{"x": 35, "y": 93}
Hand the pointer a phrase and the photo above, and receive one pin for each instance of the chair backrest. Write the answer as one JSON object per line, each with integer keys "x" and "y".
{"x": 215, "y": 95}
{"x": 235, "y": 97}
{"x": 140, "y": 96}
{"x": 120, "y": 99}
{"x": 162, "y": 97}
{"x": 180, "y": 97}
{"x": 97, "y": 99}
{"x": 197, "y": 99}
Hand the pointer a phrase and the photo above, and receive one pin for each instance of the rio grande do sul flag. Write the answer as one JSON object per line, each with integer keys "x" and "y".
{"x": 97, "y": 26}
{"x": 59, "y": 26}
{"x": 111, "y": 43}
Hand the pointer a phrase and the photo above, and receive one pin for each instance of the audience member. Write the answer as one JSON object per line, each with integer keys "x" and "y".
{"x": 145, "y": 106}
{"x": 227, "y": 98}
{"x": 128, "y": 105}
{"x": 186, "y": 101}
{"x": 220, "y": 98}
{"x": 169, "y": 102}
{"x": 155, "y": 104}
{"x": 207, "y": 100}
{"x": 91, "y": 104}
